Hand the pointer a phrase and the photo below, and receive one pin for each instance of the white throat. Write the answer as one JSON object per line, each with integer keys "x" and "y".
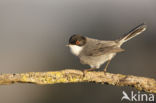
{"x": 75, "y": 49}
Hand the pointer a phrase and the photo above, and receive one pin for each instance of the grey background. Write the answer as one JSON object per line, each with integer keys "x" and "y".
{"x": 33, "y": 35}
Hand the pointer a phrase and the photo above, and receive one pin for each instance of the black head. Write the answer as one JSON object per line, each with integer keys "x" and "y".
{"x": 77, "y": 40}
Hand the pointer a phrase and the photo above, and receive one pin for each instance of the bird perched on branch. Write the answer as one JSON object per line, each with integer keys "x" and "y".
{"x": 96, "y": 52}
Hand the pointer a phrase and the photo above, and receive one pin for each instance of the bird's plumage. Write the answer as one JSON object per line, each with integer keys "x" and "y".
{"x": 96, "y": 52}
{"x": 76, "y": 50}
{"x": 96, "y": 47}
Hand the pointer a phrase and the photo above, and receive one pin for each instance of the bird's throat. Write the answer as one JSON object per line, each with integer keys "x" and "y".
{"x": 76, "y": 50}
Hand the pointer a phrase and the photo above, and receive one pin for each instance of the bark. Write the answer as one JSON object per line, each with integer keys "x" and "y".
{"x": 72, "y": 76}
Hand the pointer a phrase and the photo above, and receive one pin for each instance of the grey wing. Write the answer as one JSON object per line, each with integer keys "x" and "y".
{"x": 103, "y": 48}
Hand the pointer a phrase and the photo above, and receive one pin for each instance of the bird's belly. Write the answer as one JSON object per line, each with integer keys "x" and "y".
{"x": 96, "y": 61}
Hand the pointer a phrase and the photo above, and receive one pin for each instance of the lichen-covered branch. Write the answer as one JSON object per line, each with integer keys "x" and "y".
{"x": 70, "y": 76}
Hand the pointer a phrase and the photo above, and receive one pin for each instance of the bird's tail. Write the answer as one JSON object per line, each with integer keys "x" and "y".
{"x": 131, "y": 34}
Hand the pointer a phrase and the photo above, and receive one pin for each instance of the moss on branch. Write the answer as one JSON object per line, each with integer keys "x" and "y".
{"x": 71, "y": 76}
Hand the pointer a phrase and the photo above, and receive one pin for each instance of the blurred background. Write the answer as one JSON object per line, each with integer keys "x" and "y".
{"x": 33, "y": 35}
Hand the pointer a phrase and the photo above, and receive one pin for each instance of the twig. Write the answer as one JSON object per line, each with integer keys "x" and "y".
{"x": 70, "y": 76}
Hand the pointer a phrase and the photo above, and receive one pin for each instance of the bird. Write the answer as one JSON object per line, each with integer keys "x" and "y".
{"x": 95, "y": 52}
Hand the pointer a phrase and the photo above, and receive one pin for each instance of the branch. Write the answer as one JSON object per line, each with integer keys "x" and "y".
{"x": 70, "y": 76}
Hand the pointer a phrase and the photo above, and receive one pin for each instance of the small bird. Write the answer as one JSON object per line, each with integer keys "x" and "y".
{"x": 96, "y": 52}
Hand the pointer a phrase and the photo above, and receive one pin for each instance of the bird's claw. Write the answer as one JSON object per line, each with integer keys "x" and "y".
{"x": 86, "y": 70}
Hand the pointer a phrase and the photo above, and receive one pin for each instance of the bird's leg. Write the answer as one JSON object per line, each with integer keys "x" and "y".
{"x": 108, "y": 62}
{"x": 86, "y": 70}
{"x": 90, "y": 69}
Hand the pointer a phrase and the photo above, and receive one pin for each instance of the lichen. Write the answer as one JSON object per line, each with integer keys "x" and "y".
{"x": 70, "y": 76}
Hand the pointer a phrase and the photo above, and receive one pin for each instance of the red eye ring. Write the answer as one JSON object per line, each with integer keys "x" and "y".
{"x": 77, "y": 42}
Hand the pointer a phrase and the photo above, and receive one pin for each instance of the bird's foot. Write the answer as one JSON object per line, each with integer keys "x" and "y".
{"x": 104, "y": 71}
{"x": 86, "y": 70}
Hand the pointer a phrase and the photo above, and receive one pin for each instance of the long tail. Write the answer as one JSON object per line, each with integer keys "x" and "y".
{"x": 134, "y": 32}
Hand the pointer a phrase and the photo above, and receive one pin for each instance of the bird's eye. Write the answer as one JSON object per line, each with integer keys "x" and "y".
{"x": 77, "y": 42}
